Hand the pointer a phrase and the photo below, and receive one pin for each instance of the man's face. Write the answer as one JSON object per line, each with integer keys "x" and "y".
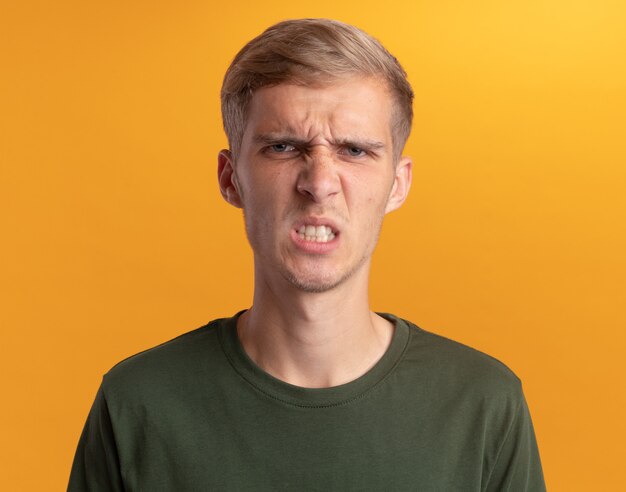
{"x": 315, "y": 176}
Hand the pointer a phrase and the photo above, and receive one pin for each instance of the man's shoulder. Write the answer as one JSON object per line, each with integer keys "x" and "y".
{"x": 457, "y": 367}
{"x": 191, "y": 355}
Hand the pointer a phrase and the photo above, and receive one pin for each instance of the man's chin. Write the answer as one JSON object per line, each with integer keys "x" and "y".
{"x": 313, "y": 284}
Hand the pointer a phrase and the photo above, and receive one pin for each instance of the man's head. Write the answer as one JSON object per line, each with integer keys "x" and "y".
{"x": 312, "y": 52}
{"x": 317, "y": 114}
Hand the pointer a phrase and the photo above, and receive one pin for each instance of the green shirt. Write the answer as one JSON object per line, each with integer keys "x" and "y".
{"x": 197, "y": 414}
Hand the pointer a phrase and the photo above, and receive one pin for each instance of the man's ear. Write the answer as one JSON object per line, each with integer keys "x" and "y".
{"x": 401, "y": 184}
{"x": 227, "y": 178}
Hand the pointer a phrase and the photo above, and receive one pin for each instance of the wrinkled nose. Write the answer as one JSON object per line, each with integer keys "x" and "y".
{"x": 318, "y": 179}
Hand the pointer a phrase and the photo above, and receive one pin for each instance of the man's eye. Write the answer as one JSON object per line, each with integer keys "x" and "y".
{"x": 355, "y": 152}
{"x": 281, "y": 148}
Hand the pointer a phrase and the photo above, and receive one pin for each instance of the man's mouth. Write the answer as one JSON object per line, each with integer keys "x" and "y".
{"x": 316, "y": 234}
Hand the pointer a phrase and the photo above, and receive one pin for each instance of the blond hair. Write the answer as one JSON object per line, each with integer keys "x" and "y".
{"x": 310, "y": 51}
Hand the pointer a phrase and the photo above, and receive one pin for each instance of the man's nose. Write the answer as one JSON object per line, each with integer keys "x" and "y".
{"x": 318, "y": 179}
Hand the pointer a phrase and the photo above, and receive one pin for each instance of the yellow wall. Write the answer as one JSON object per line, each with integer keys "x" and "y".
{"x": 115, "y": 238}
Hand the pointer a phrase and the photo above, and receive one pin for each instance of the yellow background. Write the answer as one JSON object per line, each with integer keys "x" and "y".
{"x": 115, "y": 238}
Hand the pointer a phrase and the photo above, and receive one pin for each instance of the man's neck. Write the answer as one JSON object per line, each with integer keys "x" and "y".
{"x": 314, "y": 340}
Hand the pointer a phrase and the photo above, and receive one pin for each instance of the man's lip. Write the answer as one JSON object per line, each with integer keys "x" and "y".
{"x": 316, "y": 221}
{"x": 313, "y": 247}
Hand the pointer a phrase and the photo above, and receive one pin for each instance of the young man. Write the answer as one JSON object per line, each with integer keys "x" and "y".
{"x": 308, "y": 389}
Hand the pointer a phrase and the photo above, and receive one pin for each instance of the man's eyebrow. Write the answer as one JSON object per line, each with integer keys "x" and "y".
{"x": 364, "y": 144}
{"x": 271, "y": 138}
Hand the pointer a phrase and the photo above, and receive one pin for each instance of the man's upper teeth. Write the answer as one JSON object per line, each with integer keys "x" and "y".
{"x": 311, "y": 230}
{"x": 316, "y": 233}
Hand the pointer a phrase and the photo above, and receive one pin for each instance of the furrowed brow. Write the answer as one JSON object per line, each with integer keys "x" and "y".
{"x": 364, "y": 144}
{"x": 291, "y": 139}
{"x": 272, "y": 138}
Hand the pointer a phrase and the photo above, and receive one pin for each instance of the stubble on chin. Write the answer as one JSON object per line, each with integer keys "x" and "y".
{"x": 314, "y": 283}
{"x": 311, "y": 286}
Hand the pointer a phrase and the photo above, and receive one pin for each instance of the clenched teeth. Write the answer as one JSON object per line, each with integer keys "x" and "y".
{"x": 318, "y": 234}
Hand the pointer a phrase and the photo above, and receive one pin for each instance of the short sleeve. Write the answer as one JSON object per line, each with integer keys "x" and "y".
{"x": 518, "y": 467}
{"x": 96, "y": 463}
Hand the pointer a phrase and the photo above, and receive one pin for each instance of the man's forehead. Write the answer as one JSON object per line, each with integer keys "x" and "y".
{"x": 355, "y": 85}
{"x": 350, "y": 107}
